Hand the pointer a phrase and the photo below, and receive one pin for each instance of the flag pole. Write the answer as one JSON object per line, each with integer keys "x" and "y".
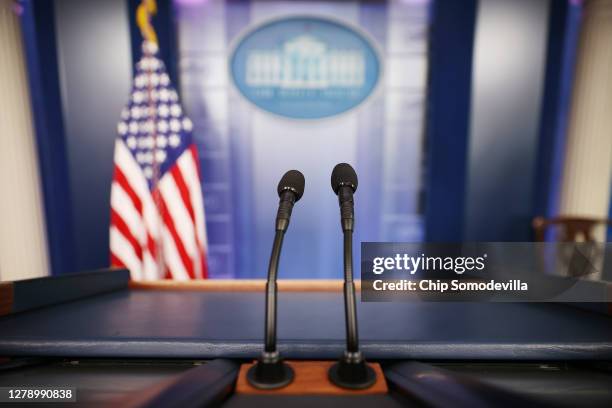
{"x": 145, "y": 11}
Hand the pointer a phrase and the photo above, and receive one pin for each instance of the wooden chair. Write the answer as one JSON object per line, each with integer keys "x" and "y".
{"x": 586, "y": 262}
{"x": 570, "y": 229}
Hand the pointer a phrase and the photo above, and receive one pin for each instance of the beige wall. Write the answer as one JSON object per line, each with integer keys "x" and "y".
{"x": 23, "y": 248}
{"x": 588, "y": 157}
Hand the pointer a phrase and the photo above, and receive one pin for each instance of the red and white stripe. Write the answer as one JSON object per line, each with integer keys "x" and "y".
{"x": 173, "y": 222}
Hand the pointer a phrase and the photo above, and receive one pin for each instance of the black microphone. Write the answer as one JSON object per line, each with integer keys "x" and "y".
{"x": 351, "y": 371}
{"x": 270, "y": 371}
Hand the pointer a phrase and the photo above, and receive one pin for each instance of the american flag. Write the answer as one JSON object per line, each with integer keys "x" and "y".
{"x": 157, "y": 226}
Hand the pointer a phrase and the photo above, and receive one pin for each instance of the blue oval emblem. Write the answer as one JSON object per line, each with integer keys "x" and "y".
{"x": 305, "y": 67}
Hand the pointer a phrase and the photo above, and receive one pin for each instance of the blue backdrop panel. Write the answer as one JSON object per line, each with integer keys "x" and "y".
{"x": 245, "y": 150}
{"x": 451, "y": 45}
{"x": 95, "y": 69}
{"x": 476, "y": 186}
{"x": 507, "y": 92}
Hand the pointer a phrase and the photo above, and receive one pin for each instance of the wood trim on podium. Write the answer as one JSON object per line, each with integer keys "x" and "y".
{"x": 311, "y": 378}
{"x": 244, "y": 285}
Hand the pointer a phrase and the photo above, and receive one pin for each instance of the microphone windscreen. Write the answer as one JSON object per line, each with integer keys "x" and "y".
{"x": 292, "y": 180}
{"x": 343, "y": 175}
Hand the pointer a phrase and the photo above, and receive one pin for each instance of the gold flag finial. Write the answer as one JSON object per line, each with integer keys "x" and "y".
{"x": 145, "y": 10}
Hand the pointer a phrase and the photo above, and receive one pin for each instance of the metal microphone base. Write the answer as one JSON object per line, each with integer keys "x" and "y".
{"x": 270, "y": 372}
{"x": 352, "y": 372}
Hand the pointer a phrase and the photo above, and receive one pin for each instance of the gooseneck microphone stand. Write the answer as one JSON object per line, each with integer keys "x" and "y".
{"x": 351, "y": 371}
{"x": 270, "y": 371}
{"x": 271, "y": 291}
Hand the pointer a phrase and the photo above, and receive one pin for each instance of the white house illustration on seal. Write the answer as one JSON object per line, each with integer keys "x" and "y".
{"x": 305, "y": 63}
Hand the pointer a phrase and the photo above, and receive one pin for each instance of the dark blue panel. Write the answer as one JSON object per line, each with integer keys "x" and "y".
{"x": 183, "y": 324}
{"x": 507, "y": 93}
{"x": 94, "y": 59}
{"x": 450, "y": 73}
{"x": 38, "y": 27}
{"x": 563, "y": 33}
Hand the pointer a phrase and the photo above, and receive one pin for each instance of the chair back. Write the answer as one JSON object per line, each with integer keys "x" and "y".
{"x": 569, "y": 229}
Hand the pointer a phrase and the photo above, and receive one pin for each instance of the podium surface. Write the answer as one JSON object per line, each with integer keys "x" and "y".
{"x": 196, "y": 323}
